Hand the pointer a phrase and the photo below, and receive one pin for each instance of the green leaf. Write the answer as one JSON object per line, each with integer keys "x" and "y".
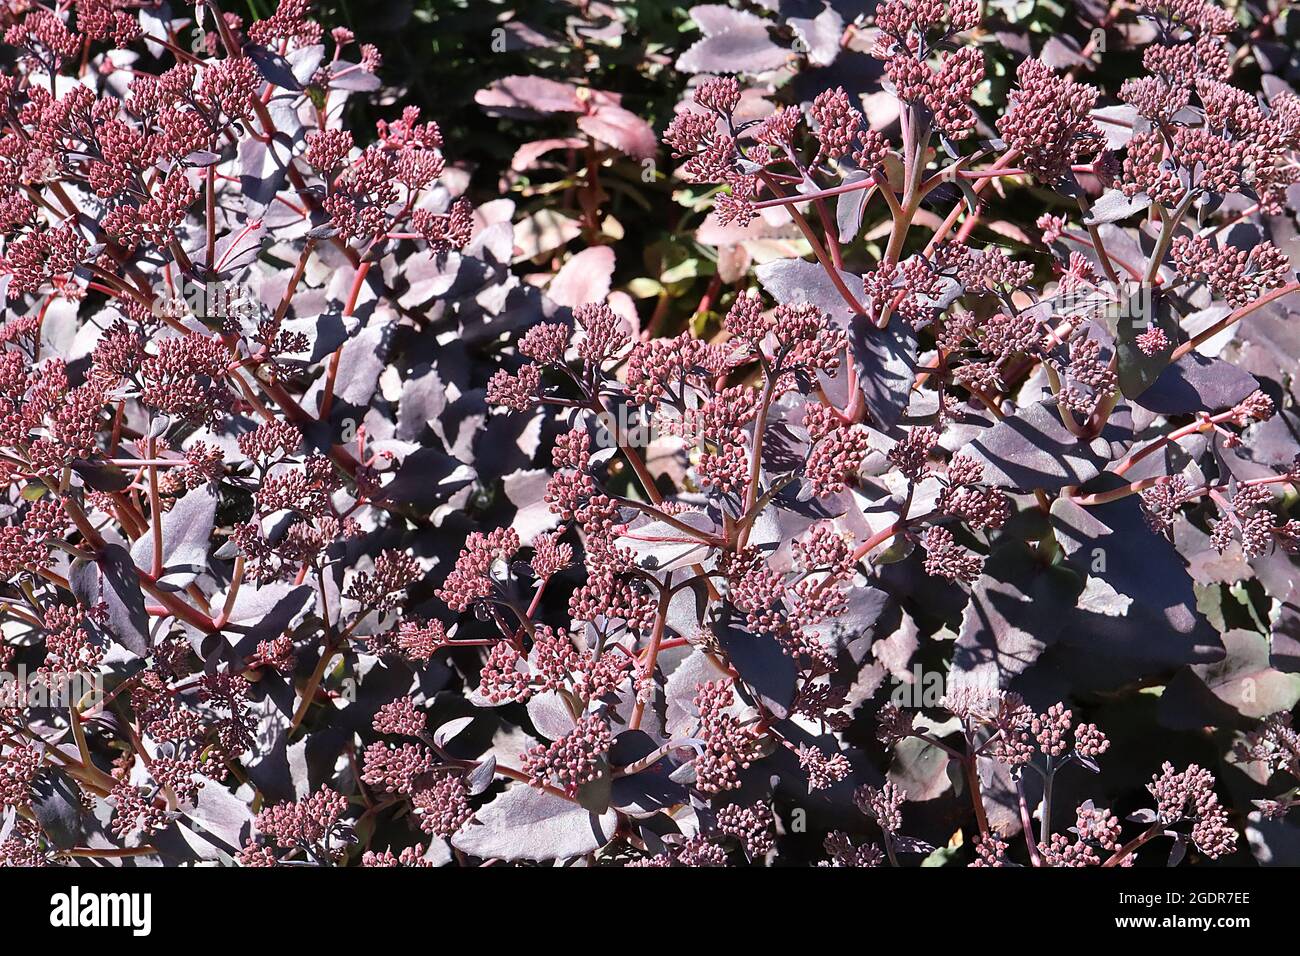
{"x": 1137, "y": 370}
{"x": 688, "y": 269}
{"x": 942, "y": 856}
{"x": 34, "y": 491}
{"x": 644, "y": 288}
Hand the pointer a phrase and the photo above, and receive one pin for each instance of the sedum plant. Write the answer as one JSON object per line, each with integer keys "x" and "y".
{"x": 332, "y": 537}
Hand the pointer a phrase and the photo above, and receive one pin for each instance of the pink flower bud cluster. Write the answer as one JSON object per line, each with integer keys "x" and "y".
{"x": 1188, "y": 796}
{"x": 1049, "y": 123}
{"x": 1237, "y": 275}
{"x": 572, "y": 761}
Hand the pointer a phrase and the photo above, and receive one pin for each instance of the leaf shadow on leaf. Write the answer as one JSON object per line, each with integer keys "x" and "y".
{"x": 56, "y": 803}
{"x": 907, "y": 580}
{"x": 1136, "y": 616}
{"x": 1013, "y": 615}
{"x": 866, "y": 605}
{"x": 1034, "y": 450}
{"x": 759, "y": 660}
{"x": 112, "y": 578}
{"x": 650, "y": 791}
{"x": 1236, "y": 691}
{"x": 829, "y": 808}
{"x": 264, "y": 614}
{"x": 1196, "y": 383}
{"x": 1285, "y": 637}
{"x": 427, "y": 477}
{"x": 886, "y": 364}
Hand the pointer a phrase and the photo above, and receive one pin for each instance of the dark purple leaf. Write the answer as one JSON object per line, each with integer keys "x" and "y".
{"x": 1034, "y": 450}
{"x": 651, "y": 791}
{"x": 273, "y": 66}
{"x": 1144, "y": 310}
{"x": 524, "y": 823}
{"x": 1285, "y": 639}
{"x": 186, "y": 531}
{"x": 112, "y": 579}
{"x": 1196, "y": 383}
{"x": 1014, "y": 612}
{"x": 819, "y": 37}
{"x": 764, "y": 667}
{"x": 1138, "y": 603}
{"x": 734, "y": 42}
{"x": 1177, "y": 851}
{"x": 886, "y": 363}
{"x": 56, "y": 802}
{"x": 886, "y": 358}
{"x": 101, "y": 476}
{"x": 426, "y": 478}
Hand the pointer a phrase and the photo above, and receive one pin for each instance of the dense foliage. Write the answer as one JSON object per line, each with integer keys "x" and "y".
{"x": 788, "y": 432}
